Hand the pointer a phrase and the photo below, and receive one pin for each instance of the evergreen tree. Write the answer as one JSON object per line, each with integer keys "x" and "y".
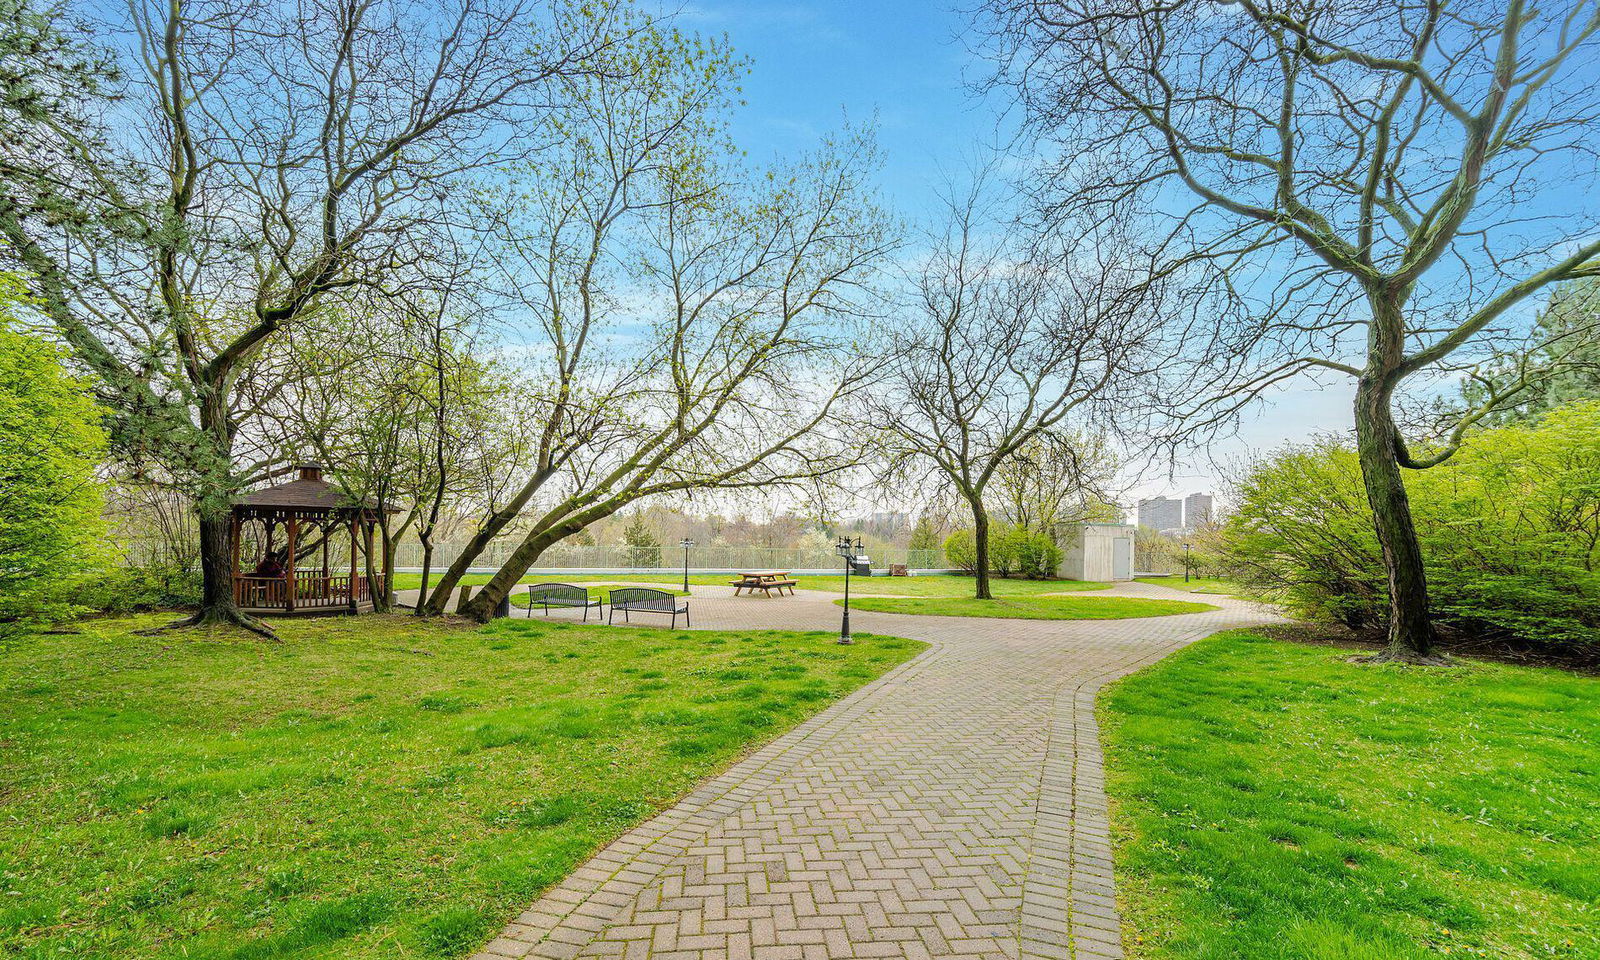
{"x": 925, "y": 535}
{"x": 644, "y": 550}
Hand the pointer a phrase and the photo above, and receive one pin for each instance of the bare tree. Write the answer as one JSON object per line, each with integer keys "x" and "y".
{"x": 1008, "y": 342}
{"x": 262, "y": 158}
{"x": 1377, "y": 190}
{"x": 1060, "y": 476}
{"x": 401, "y": 397}
{"x": 693, "y": 315}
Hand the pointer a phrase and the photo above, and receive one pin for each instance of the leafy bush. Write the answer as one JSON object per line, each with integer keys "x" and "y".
{"x": 136, "y": 589}
{"x": 1003, "y": 549}
{"x": 1038, "y": 557}
{"x": 961, "y": 551}
{"x": 1510, "y": 531}
{"x": 50, "y": 502}
{"x": 1013, "y": 551}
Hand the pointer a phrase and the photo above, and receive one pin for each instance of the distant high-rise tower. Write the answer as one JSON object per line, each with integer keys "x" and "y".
{"x": 1161, "y": 513}
{"x": 1196, "y": 509}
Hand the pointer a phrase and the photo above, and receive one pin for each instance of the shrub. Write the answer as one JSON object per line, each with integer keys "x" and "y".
{"x": 1013, "y": 551}
{"x": 1003, "y": 549}
{"x": 961, "y": 551}
{"x": 50, "y": 502}
{"x": 137, "y": 589}
{"x": 1509, "y": 526}
{"x": 1038, "y": 557}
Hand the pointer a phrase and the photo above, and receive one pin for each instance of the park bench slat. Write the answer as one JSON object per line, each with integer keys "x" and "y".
{"x": 647, "y": 600}
{"x": 549, "y": 595}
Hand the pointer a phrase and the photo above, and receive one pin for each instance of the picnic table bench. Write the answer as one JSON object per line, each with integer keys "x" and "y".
{"x": 549, "y": 595}
{"x": 764, "y": 580}
{"x": 647, "y": 600}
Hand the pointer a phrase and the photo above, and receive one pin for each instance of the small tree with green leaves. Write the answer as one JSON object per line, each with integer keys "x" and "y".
{"x": 961, "y": 551}
{"x": 50, "y": 441}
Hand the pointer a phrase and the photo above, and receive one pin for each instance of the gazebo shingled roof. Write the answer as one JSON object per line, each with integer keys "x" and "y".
{"x": 306, "y": 492}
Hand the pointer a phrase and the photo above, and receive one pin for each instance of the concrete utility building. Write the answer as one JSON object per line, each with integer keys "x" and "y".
{"x": 1101, "y": 552}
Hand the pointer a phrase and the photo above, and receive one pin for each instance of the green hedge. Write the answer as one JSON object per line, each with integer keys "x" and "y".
{"x": 1510, "y": 529}
{"x": 137, "y": 589}
{"x": 1013, "y": 551}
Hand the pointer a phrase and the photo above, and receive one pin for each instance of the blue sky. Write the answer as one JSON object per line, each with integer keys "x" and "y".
{"x": 901, "y": 63}
{"x": 906, "y": 64}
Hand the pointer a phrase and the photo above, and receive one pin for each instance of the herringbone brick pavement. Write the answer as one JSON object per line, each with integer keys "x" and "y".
{"x": 954, "y": 808}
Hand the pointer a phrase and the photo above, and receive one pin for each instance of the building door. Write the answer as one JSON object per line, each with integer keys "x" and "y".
{"x": 1122, "y": 558}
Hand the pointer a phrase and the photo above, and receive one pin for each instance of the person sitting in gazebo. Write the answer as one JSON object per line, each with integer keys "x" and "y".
{"x": 270, "y": 566}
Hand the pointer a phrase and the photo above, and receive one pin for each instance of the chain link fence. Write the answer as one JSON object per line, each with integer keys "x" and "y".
{"x": 716, "y": 558}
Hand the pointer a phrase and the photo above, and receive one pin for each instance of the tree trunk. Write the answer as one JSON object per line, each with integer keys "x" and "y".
{"x": 380, "y": 601}
{"x": 433, "y": 603}
{"x": 980, "y": 542}
{"x": 482, "y": 605}
{"x": 424, "y": 609}
{"x": 1411, "y": 636}
{"x": 214, "y": 506}
{"x": 436, "y": 601}
{"x": 217, "y": 604}
{"x": 216, "y": 566}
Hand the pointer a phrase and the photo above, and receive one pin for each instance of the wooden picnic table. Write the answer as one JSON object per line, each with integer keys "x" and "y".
{"x": 764, "y": 580}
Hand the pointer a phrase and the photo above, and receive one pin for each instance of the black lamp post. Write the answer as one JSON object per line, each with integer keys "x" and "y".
{"x": 1186, "y": 563}
{"x": 685, "y": 543}
{"x": 851, "y": 552}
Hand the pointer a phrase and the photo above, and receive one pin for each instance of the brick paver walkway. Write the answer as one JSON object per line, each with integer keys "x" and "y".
{"x": 953, "y": 808}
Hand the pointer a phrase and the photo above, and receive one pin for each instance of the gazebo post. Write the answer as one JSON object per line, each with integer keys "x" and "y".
{"x": 327, "y": 585}
{"x": 288, "y": 575}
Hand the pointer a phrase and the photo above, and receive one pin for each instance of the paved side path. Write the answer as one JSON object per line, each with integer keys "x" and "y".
{"x": 953, "y": 808}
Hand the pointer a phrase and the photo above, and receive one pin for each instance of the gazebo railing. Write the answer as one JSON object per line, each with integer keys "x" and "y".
{"x": 312, "y": 590}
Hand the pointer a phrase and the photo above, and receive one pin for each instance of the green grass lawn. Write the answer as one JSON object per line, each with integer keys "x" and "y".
{"x": 1211, "y": 585}
{"x": 937, "y": 585}
{"x": 372, "y": 787}
{"x": 1271, "y": 800}
{"x": 1030, "y": 608}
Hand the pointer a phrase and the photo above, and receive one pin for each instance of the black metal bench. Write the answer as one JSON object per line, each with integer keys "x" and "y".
{"x": 549, "y": 595}
{"x": 647, "y": 600}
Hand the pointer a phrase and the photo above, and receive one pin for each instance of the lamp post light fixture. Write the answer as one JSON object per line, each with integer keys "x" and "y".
{"x": 1186, "y": 563}
{"x": 854, "y": 559}
{"x": 685, "y": 543}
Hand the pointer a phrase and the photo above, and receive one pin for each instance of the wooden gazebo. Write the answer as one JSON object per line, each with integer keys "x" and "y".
{"x": 289, "y": 579}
